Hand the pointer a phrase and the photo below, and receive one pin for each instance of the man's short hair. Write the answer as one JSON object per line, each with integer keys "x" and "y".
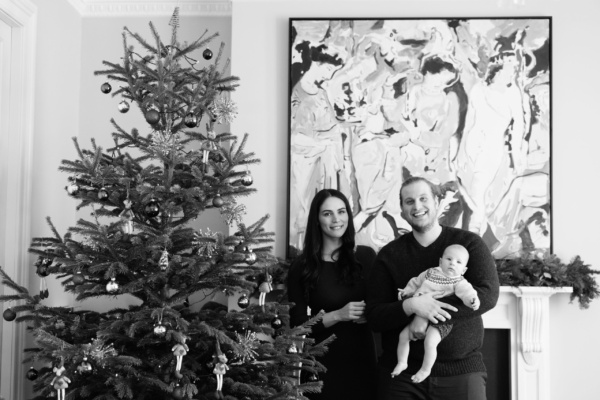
{"x": 435, "y": 191}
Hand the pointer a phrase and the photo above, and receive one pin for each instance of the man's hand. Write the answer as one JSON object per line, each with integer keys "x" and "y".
{"x": 425, "y": 306}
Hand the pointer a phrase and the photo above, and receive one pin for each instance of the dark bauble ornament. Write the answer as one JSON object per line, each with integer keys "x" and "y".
{"x": 207, "y": 54}
{"x": 32, "y": 374}
{"x": 105, "y": 88}
{"x": 276, "y": 322}
{"x": 178, "y": 392}
{"x": 250, "y": 257}
{"x": 42, "y": 270}
{"x": 243, "y": 301}
{"x": 9, "y": 315}
{"x": 73, "y": 189}
{"x": 218, "y": 201}
{"x": 247, "y": 179}
{"x": 160, "y": 329}
{"x": 102, "y": 194}
{"x": 123, "y": 107}
{"x": 190, "y": 120}
{"x": 152, "y": 208}
{"x": 152, "y": 116}
{"x": 85, "y": 367}
{"x": 78, "y": 278}
{"x": 216, "y": 157}
{"x": 112, "y": 286}
{"x": 44, "y": 294}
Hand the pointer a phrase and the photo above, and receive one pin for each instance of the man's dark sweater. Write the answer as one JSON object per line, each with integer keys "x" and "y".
{"x": 404, "y": 258}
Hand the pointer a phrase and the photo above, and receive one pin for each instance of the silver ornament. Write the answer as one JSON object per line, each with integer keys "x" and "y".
{"x": 112, "y": 286}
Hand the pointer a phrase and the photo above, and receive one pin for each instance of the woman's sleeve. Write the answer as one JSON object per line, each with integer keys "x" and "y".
{"x": 295, "y": 288}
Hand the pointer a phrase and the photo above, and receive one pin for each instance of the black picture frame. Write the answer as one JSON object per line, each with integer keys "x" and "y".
{"x": 464, "y": 102}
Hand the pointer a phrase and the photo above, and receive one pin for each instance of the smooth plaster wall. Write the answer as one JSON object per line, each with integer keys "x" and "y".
{"x": 260, "y": 55}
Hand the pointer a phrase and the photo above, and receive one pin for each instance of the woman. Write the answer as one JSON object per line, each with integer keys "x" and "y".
{"x": 330, "y": 276}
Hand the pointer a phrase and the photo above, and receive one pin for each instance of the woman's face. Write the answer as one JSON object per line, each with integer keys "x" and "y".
{"x": 333, "y": 218}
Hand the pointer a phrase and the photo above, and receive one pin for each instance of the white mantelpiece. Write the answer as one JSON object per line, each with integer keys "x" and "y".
{"x": 526, "y": 312}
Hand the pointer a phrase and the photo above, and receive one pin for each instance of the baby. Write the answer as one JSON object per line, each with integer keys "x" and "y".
{"x": 445, "y": 279}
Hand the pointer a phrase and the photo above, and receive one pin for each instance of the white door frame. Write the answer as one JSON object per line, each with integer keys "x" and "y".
{"x": 21, "y": 16}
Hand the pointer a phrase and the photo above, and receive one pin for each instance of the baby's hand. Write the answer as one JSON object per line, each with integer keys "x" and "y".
{"x": 400, "y": 294}
{"x": 475, "y": 303}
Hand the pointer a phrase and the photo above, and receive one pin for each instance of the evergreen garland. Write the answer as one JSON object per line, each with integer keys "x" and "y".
{"x": 547, "y": 270}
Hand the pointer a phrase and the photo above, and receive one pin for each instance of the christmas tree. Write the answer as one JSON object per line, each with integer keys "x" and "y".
{"x": 143, "y": 194}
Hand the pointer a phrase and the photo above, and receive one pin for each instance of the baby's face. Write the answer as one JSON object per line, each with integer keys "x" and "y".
{"x": 454, "y": 262}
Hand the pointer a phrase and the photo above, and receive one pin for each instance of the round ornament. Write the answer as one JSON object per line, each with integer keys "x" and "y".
{"x": 32, "y": 374}
{"x": 216, "y": 157}
{"x": 102, "y": 194}
{"x": 152, "y": 116}
{"x": 73, "y": 189}
{"x": 190, "y": 120}
{"x": 250, "y": 257}
{"x": 78, "y": 278}
{"x": 85, "y": 367}
{"x": 218, "y": 201}
{"x": 276, "y": 322}
{"x": 123, "y": 107}
{"x": 178, "y": 392}
{"x": 42, "y": 270}
{"x": 9, "y": 315}
{"x": 112, "y": 286}
{"x": 247, "y": 179}
{"x": 105, "y": 88}
{"x": 160, "y": 329}
{"x": 207, "y": 54}
{"x": 243, "y": 301}
{"x": 152, "y": 208}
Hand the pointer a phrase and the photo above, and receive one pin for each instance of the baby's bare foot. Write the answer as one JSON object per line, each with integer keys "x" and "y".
{"x": 399, "y": 368}
{"x": 420, "y": 376}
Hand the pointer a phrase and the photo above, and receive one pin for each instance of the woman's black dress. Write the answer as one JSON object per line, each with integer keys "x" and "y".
{"x": 350, "y": 360}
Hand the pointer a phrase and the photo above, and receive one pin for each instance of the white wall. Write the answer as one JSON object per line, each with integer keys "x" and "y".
{"x": 260, "y": 55}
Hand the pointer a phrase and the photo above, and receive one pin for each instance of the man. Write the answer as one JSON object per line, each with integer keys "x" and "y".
{"x": 459, "y": 372}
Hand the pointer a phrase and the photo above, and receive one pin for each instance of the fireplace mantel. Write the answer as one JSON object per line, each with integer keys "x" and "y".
{"x": 526, "y": 312}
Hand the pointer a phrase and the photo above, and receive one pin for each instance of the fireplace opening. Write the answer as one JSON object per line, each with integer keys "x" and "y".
{"x": 496, "y": 356}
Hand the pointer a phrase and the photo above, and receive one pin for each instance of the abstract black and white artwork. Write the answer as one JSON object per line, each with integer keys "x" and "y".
{"x": 464, "y": 102}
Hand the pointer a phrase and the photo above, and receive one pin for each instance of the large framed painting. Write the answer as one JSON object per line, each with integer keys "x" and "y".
{"x": 464, "y": 102}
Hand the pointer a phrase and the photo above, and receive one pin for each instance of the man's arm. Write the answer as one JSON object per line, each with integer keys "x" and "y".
{"x": 384, "y": 311}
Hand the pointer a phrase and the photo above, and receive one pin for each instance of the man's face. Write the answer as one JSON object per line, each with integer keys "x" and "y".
{"x": 419, "y": 207}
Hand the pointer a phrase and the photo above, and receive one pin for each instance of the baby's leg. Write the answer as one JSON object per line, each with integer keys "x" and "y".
{"x": 432, "y": 339}
{"x": 402, "y": 351}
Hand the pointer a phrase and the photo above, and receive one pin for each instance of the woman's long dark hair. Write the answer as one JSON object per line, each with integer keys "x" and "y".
{"x": 313, "y": 243}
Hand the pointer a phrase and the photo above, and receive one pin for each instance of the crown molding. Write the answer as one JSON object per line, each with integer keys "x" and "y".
{"x": 136, "y": 8}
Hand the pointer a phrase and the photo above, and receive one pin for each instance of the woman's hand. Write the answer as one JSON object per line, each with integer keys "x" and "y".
{"x": 353, "y": 311}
